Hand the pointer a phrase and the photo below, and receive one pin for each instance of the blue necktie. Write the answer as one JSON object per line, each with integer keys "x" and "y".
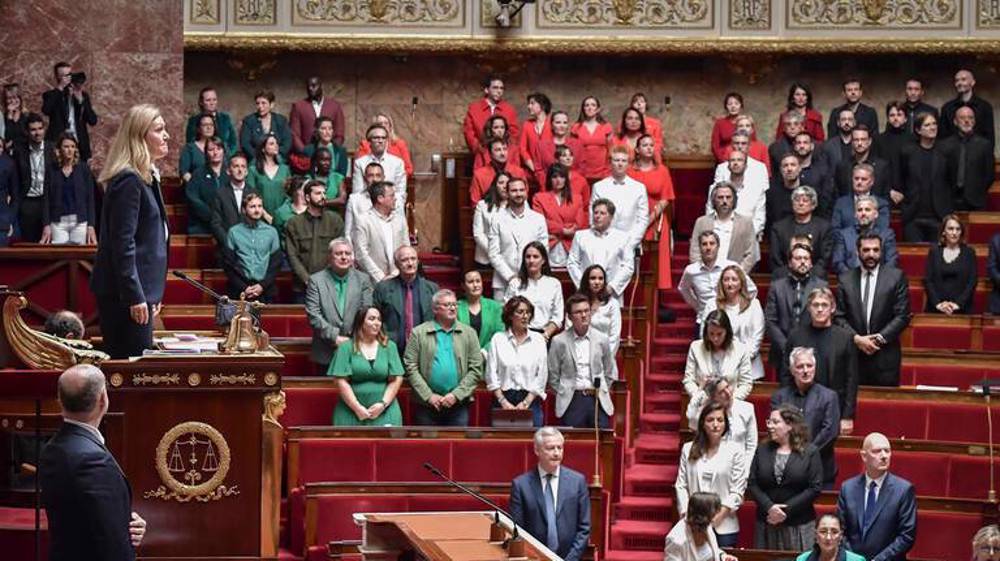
{"x": 869, "y": 508}
{"x": 552, "y": 534}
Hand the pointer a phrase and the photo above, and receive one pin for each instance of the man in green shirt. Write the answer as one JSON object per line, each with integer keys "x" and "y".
{"x": 443, "y": 365}
{"x": 254, "y": 254}
{"x": 308, "y": 236}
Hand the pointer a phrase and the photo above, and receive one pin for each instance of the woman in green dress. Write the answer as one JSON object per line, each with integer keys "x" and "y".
{"x": 369, "y": 374}
{"x": 268, "y": 176}
{"x": 481, "y": 313}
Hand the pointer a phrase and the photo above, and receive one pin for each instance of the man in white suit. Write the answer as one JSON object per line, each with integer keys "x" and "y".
{"x": 514, "y": 228}
{"x": 602, "y": 245}
{"x": 581, "y": 369}
{"x": 749, "y": 177}
{"x": 380, "y": 232}
{"x": 628, "y": 195}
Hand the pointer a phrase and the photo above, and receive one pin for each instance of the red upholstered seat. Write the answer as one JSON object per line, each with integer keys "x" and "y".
{"x": 945, "y": 535}
{"x": 484, "y": 460}
{"x": 970, "y": 477}
{"x": 335, "y": 460}
{"x": 991, "y": 338}
{"x": 940, "y": 336}
{"x": 309, "y": 406}
{"x": 895, "y": 419}
{"x": 942, "y": 374}
{"x": 580, "y": 455}
{"x": 403, "y": 460}
{"x": 959, "y": 422}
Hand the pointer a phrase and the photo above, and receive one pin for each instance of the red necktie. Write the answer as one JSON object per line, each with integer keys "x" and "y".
{"x": 407, "y": 311}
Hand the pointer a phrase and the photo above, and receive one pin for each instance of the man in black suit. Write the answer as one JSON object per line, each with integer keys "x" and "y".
{"x": 68, "y": 108}
{"x": 873, "y": 303}
{"x": 786, "y": 301}
{"x": 836, "y": 359}
{"x": 791, "y": 126}
{"x": 968, "y": 162}
{"x": 862, "y": 113}
{"x": 391, "y": 298}
{"x": 227, "y": 210}
{"x": 861, "y": 146}
{"x": 34, "y": 163}
{"x": 818, "y": 404}
{"x": 965, "y": 84}
{"x": 86, "y": 496}
{"x": 914, "y": 103}
{"x": 803, "y": 222}
{"x": 993, "y": 273}
{"x": 816, "y": 171}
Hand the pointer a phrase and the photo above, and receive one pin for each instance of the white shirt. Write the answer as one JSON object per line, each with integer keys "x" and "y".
{"x": 554, "y": 482}
{"x": 723, "y": 229}
{"x": 545, "y": 293}
{"x": 358, "y": 204}
{"x": 89, "y": 428}
{"x": 318, "y": 106}
{"x": 513, "y": 366}
{"x": 631, "y": 206}
{"x": 37, "y": 159}
{"x": 581, "y": 356}
{"x": 751, "y": 196}
{"x": 238, "y": 193}
{"x": 748, "y": 325}
{"x": 387, "y": 225}
{"x": 393, "y": 168}
{"x": 509, "y": 234}
{"x": 70, "y": 116}
{"x": 608, "y": 249}
{"x": 871, "y": 296}
{"x": 698, "y": 285}
{"x": 608, "y": 320}
{"x": 742, "y": 422}
{"x": 482, "y": 220}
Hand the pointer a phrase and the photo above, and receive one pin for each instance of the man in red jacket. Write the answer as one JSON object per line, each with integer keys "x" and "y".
{"x": 479, "y": 111}
{"x": 305, "y": 112}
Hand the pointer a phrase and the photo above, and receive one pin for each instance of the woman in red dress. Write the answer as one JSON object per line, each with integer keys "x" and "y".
{"x": 722, "y": 131}
{"x": 559, "y": 136}
{"x": 800, "y": 100}
{"x": 496, "y": 127}
{"x": 577, "y": 182}
{"x": 594, "y": 133}
{"x": 757, "y": 149}
{"x": 630, "y": 130}
{"x": 397, "y": 146}
{"x": 660, "y": 190}
{"x": 536, "y": 129}
{"x": 564, "y": 213}
{"x": 654, "y": 127}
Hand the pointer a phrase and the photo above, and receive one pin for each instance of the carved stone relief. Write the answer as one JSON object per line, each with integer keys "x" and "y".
{"x": 693, "y": 14}
{"x": 988, "y": 14}
{"x": 434, "y": 13}
{"x": 913, "y": 14}
{"x": 750, "y": 14}
{"x": 255, "y": 12}
{"x": 204, "y": 12}
{"x": 488, "y": 10}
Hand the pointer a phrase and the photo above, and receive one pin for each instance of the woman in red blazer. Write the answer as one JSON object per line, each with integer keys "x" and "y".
{"x": 660, "y": 190}
{"x": 800, "y": 100}
{"x": 496, "y": 127}
{"x": 577, "y": 182}
{"x": 654, "y": 127}
{"x": 536, "y": 129}
{"x": 594, "y": 133}
{"x": 564, "y": 213}
{"x": 725, "y": 126}
{"x": 559, "y": 137}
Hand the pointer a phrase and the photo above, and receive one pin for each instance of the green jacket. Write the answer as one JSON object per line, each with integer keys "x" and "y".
{"x": 224, "y": 129}
{"x": 490, "y": 312}
{"x": 419, "y": 358}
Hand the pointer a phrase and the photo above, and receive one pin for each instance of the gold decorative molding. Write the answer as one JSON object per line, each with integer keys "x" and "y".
{"x": 398, "y": 13}
{"x": 116, "y": 380}
{"x": 488, "y": 10}
{"x": 192, "y": 460}
{"x": 155, "y": 379}
{"x": 274, "y": 407}
{"x": 582, "y": 45}
{"x": 866, "y": 14}
{"x": 750, "y": 15}
{"x": 204, "y": 12}
{"x": 270, "y": 378}
{"x": 255, "y": 12}
{"x": 988, "y": 14}
{"x": 194, "y": 379}
{"x": 38, "y": 349}
{"x": 681, "y": 14}
{"x": 232, "y": 379}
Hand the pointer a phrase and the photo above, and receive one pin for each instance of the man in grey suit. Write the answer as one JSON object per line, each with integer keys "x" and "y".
{"x": 578, "y": 382}
{"x": 333, "y": 298}
{"x": 736, "y": 232}
{"x": 404, "y": 299}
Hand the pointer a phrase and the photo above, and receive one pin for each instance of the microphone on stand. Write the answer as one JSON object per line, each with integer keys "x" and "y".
{"x": 497, "y": 531}
{"x": 987, "y": 385}
{"x": 597, "y": 431}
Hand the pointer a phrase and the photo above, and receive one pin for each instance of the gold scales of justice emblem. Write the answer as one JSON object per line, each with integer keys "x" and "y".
{"x": 192, "y": 460}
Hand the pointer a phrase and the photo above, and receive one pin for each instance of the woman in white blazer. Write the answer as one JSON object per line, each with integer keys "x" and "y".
{"x": 741, "y": 415}
{"x": 717, "y": 354}
{"x": 745, "y": 314}
{"x": 485, "y": 213}
{"x": 693, "y": 539}
{"x": 710, "y": 464}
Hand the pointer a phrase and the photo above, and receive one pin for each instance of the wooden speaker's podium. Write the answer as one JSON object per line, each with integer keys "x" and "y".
{"x": 198, "y": 439}
{"x": 443, "y": 536}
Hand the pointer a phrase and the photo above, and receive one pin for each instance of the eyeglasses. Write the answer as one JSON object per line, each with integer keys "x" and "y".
{"x": 828, "y": 533}
{"x": 448, "y": 305}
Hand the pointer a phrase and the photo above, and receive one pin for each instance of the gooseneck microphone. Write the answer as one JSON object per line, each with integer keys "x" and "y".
{"x": 496, "y": 508}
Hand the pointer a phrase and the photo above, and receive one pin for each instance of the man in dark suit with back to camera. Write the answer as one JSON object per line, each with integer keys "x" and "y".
{"x": 873, "y": 303}
{"x": 86, "y": 496}
{"x": 551, "y": 502}
{"x": 878, "y": 509}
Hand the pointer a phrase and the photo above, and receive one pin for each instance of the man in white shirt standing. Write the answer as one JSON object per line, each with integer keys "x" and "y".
{"x": 749, "y": 177}
{"x": 581, "y": 369}
{"x": 737, "y": 241}
{"x": 393, "y": 168}
{"x": 699, "y": 281}
{"x": 602, "y": 245}
{"x": 360, "y": 203}
{"x": 515, "y": 227}
{"x": 380, "y": 232}
{"x": 628, "y": 195}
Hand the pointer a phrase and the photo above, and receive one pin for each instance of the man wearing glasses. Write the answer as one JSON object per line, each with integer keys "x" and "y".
{"x": 393, "y": 167}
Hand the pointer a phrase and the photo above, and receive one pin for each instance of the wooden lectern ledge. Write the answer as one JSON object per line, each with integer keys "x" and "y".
{"x": 441, "y": 536}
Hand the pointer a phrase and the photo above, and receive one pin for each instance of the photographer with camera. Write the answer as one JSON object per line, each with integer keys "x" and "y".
{"x": 68, "y": 108}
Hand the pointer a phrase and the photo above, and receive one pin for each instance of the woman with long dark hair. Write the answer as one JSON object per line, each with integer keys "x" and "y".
{"x": 800, "y": 101}
{"x": 70, "y": 193}
{"x": 717, "y": 355}
{"x": 594, "y": 133}
{"x": 535, "y": 282}
{"x": 564, "y": 213}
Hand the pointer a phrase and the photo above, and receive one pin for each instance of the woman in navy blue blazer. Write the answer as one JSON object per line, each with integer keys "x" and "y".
{"x": 130, "y": 269}
{"x": 70, "y": 197}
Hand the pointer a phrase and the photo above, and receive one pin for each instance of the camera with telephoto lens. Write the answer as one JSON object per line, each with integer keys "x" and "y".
{"x": 78, "y": 78}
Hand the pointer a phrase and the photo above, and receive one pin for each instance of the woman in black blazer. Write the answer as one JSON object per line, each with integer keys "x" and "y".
{"x": 951, "y": 270}
{"x": 69, "y": 192}
{"x": 130, "y": 269}
{"x": 786, "y": 476}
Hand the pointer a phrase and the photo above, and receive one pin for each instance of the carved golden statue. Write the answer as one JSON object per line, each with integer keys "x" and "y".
{"x": 39, "y": 350}
{"x": 873, "y": 9}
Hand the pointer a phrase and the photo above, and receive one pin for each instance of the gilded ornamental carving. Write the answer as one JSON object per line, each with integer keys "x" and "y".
{"x": 488, "y": 10}
{"x": 988, "y": 14}
{"x": 232, "y": 379}
{"x": 750, "y": 15}
{"x": 898, "y": 14}
{"x": 633, "y": 13}
{"x": 435, "y": 13}
{"x": 204, "y": 12}
{"x": 192, "y": 460}
{"x": 255, "y": 12}
{"x": 156, "y": 379}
